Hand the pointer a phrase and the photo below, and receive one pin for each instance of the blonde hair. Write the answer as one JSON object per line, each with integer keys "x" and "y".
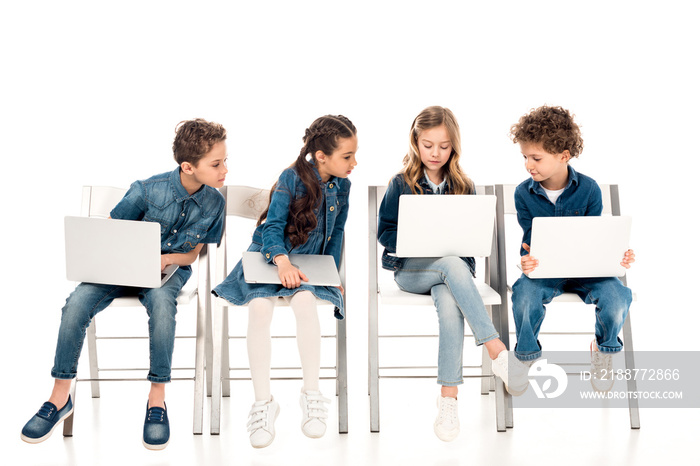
{"x": 432, "y": 117}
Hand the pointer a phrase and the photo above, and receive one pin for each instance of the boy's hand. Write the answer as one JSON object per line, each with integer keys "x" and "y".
{"x": 164, "y": 261}
{"x": 290, "y": 276}
{"x": 628, "y": 259}
{"x": 527, "y": 262}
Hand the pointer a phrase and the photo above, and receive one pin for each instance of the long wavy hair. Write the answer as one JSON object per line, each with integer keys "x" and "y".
{"x": 322, "y": 135}
{"x": 412, "y": 171}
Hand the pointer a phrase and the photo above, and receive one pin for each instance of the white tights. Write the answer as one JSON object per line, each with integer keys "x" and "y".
{"x": 303, "y": 303}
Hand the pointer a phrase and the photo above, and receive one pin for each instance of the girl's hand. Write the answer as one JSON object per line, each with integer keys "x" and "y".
{"x": 628, "y": 259}
{"x": 527, "y": 262}
{"x": 342, "y": 290}
{"x": 290, "y": 276}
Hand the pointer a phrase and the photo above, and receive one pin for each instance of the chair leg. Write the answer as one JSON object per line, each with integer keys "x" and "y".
{"x": 200, "y": 344}
{"x": 500, "y": 406}
{"x": 342, "y": 375}
{"x": 92, "y": 356}
{"x": 373, "y": 363}
{"x": 68, "y": 423}
{"x": 217, "y": 340}
{"x": 629, "y": 365}
{"x": 209, "y": 350}
{"x": 225, "y": 358}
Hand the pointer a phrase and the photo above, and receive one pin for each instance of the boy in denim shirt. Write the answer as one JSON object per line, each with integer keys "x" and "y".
{"x": 549, "y": 138}
{"x": 190, "y": 211}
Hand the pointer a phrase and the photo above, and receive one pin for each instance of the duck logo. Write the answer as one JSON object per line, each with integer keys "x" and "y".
{"x": 544, "y": 372}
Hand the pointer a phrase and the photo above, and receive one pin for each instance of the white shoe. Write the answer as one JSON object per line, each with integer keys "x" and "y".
{"x": 512, "y": 371}
{"x": 601, "y": 369}
{"x": 313, "y": 413}
{"x": 446, "y": 424}
{"x": 261, "y": 422}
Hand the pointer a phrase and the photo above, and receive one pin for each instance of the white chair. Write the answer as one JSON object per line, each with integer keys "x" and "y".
{"x": 98, "y": 201}
{"x": 382, "y": 287}
{"x": 248, "y": 203}
{"x": 505, "y": 205}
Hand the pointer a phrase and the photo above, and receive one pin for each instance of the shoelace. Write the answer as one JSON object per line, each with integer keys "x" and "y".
{"x": 156, "y": 413}
{"x": 315, "y": 406}
{"x": 46, "y": 410}
{"x": 448, "y": 410}
{"x": 601, "y": 362}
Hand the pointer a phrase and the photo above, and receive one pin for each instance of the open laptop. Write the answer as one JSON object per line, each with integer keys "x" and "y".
{"x": 319, "y": 269}
{"x": 114, "y": 252}
{"x": 448, "y": 225}
{"x": 579, "y": 247}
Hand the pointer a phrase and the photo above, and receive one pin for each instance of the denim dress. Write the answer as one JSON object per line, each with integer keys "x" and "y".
{"x": 270, "y": 240}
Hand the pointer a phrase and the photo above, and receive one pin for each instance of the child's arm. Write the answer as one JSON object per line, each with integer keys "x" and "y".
{"x": 180, "y": 259}
{"x": 389, "y": 215}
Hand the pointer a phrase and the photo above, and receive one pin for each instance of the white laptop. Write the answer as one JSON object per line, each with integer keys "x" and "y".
{"x": 114, "y": 252}
{"x": 445, "y": 225}
{"x": 579, "y": 247}
{"x": 319, "y": 269}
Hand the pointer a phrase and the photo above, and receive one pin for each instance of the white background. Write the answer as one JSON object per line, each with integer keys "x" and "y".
{"x": 90, "y": 93}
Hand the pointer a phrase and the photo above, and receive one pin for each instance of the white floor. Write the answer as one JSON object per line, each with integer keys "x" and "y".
{"x": 108, "y": 431}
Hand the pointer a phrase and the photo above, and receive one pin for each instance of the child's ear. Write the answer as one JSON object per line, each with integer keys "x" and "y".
{"x": 566, "y": 156}
{"x": 320, "y": 156}
{"x": 186, "y": 168}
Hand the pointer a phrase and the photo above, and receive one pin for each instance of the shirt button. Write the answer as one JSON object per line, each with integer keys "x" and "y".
{"x": 267, "y": 255}
{"x": 329, "y": 238}
{"x": 197, "y": 236}
{"x": 174, "y": 231}
{"x": 332, "y": 208}
{"x": 330, "y": 185}
{"x": 169, "y": 244}
{"x": 182, "y": 214}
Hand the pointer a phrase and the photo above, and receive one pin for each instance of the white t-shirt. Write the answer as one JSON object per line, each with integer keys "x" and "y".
{"x": 553, "y": 195}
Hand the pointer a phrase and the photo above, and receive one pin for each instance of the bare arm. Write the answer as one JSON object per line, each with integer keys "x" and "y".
{"x": 181, "y": 259}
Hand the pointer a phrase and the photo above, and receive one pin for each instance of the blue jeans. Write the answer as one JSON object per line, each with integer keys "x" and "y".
{"x": 612, "y": 301}
{"x": 88, "y": 299}
{"x": 451, "y": 285}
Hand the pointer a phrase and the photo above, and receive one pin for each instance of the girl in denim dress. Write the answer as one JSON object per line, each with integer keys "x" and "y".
{"x": 432, "y": 167}
{"x": 306, "y": 215}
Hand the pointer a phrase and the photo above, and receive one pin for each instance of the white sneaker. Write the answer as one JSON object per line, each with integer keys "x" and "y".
{"x": 313, "y": 413}
{"x": 446, "y": 424}
{"x": 512, "y": 371}
{"x": 261, "y": 422}
{"x": 601, "y": 369}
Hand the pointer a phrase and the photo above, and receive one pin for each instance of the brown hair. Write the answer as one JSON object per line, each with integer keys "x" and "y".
{"x": 553, "y": 127}
{"x": 412, "y": 171}
{"x": 323, "y": 135}
{"x": 194, "y": 138}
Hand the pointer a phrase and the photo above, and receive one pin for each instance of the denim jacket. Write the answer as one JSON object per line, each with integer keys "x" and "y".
{"x": 185, "y": 220}
{"x": 388, "y": 219}
{"x": 270, "y": 239}
{"x": 326, "y": 238}
{"x": 581, "y": 196}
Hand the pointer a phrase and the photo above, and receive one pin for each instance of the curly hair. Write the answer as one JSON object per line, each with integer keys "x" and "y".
{"x": 432, "y": 117}
{"x": 553, "y": 127}
{"x": 194, "y": 138}
{"x": 323, "y": 135}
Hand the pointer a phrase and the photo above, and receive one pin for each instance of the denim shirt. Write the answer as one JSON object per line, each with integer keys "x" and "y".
{"x": 326, "y": 238}
{"x": 581, "y": 196}
{"x": 185, "y": 220}
{"x": 388, "y": 219}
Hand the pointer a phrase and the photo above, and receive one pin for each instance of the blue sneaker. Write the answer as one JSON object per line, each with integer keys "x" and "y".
{"x": 41, "y": 426}
{"x": 156, "y": 428}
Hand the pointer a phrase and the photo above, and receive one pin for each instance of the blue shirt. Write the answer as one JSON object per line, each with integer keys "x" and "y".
{"x": 389, "y": 217}
{"x": 581, "y": 196}
{"x": 186, "y": 220}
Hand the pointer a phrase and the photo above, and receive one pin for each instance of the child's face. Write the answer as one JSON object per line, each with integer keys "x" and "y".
{"x": 211, "y": 169}
{"x": 341, "y": 162}
{"x": 435, "y": 147}
{"x": 551, "y": 170}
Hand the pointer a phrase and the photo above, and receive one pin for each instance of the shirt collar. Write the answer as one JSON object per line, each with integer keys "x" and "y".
{"x": 332, "y": 179}
{"x": 180, "y": 192}
{"x": 535, "y": 186}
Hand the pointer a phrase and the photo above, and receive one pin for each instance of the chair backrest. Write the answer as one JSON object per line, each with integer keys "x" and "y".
{"x": 610, "y": 193}
{"x": 98, "y": 201}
